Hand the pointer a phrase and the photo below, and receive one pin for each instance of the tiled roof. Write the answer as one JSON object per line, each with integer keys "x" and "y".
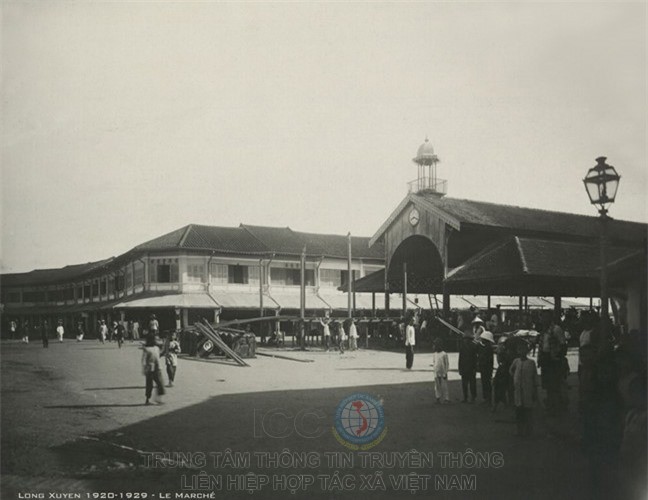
{"x": 516, "y": 257}
{"x": 247, "y": 239}
{"x": 47, "y": 276}
{"x": 533, "y": 220}
{"x": 281, "y": 240}
{"x": 242, "y": 240}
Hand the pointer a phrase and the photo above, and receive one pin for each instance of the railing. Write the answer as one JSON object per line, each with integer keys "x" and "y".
{"x": 427, "y": 185}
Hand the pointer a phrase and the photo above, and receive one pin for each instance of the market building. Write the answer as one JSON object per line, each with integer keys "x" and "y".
{"x": 437, "y": 244}
{"x": 198, "y": 272}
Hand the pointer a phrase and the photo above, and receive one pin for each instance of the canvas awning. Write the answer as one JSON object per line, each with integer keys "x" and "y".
{"x": 174, "y": 300}
{"x": 288, "y": 300}
{"x": 243, "y": 300}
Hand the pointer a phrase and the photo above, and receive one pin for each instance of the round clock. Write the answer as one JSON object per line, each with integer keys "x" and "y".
{"x": 414, "y": 217}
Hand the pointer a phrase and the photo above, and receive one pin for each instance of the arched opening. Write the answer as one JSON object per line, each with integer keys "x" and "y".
{"x": 424, "y": 266}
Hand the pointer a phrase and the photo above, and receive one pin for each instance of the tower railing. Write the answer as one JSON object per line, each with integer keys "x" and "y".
{"x": 428, "y": 185}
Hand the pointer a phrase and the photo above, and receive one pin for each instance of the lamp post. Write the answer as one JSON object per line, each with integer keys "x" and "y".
{"x": 601, "y": 183}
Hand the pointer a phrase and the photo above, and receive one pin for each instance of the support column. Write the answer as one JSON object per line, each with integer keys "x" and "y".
{"x": 446, "y": 302}
{"x": 178, "y": 320}
{"x": 557, "y": 305}
{"x": 404, "y": 289}
{"x": 185, "y": 317}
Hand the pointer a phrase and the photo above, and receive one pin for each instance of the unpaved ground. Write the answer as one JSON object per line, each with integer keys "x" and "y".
{"x": 73, "y": 421}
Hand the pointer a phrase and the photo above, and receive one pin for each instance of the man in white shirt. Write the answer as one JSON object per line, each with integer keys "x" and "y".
{"x": 410, "y": 342}
{"x": 60, "y": 330}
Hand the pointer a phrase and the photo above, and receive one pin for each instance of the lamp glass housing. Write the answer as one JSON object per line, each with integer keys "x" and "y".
{"x": 601, "y": 183}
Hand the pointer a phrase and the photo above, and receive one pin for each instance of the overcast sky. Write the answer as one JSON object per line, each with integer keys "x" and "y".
{"x": 122, "y": 121}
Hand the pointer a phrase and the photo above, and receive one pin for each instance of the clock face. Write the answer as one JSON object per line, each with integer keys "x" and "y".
{"x": 414, "y": 217}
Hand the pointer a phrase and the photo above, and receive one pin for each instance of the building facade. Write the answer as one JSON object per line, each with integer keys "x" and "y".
{"x": 217, "y": 273}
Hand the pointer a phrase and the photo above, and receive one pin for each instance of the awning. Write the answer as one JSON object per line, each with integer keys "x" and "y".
{"x": 243, "y": 300}
{"x": 287, "y": 300}
{"x": 373, "y": 282}
{"x": 481, "y": 301}
{"x": 531, "y": 267}
{"x": 175, "y": 300}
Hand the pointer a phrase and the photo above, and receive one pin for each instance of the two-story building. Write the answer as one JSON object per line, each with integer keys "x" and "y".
{"x": 199, "y": 271}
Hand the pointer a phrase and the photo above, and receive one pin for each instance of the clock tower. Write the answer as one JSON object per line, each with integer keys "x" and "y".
{"x": 427, "y": 181}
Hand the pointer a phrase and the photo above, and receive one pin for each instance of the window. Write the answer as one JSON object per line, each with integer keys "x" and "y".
{"x": 237, "y": 274}
{"x": 219, "y": 273}
{"x": 330, "y": 277}
{"x": 138, "y": 275}
{"x": 35, "y": 296}
{"x": 95, "y": 288}
{"x": 164, "y": 271}
{"x": 291, "y": 276}
{"x": 128, "y": 280}
{"x": 119, "y": 282}
{"x": 12, "y": 297}
{"x": 196, "y": 273}
{"x": 102, "y": 285}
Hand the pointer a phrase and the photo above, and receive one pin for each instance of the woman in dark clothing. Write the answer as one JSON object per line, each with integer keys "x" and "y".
{"x": 485, "y": 346}
{"x": 502, "y": 376}
{"x": 468, "y": 367}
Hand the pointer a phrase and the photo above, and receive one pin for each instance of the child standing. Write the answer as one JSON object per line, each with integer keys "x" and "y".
{"x": 441, "y": 367}
{"x": 171, "y": 352}
{"x": 525, "y": 389}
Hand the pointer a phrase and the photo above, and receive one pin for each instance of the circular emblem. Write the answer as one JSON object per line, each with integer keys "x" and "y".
{"x": 414, "y": 217}
{"x": 359, "y": 421}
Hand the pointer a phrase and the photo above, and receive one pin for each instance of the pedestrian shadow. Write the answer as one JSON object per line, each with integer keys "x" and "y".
{"x": 79, "y": 407}
{"x": 113, "y": 388}
{"x": 384, "y": 369}
{"x": 208, "y": 360}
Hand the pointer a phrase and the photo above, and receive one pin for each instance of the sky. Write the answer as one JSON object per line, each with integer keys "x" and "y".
{"x": 122, "y": 121}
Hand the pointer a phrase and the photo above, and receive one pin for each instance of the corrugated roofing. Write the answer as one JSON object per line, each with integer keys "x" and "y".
{"x": 531, "y": 219}
{"x": 48, "y": 276}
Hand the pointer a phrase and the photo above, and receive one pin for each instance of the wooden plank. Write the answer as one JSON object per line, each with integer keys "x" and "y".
{"x": 212, "y": 335}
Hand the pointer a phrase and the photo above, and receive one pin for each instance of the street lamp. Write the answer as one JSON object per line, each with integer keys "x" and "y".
{"x": 601, "y": 184}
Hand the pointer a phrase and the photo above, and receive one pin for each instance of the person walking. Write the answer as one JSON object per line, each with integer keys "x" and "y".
{"x": 103, "y": 331}
{"x": 441, "y": 367}
{"x": 341, "y": 336}
{"x": 525, "y": 389}
{"x": 353, "y": 336}
{"x": 410, "y": 342}
{"x": 80, "y": 332}
{"x": 171, "y": 351}
{"x": 151, "y": 369}
{"x": 326, "y": 333}
{"x": 120, "y": 334}
{"x": 485, "y": 362}
{"x": 154, "y": 326}
{"x": 25, "y": 332}
{"x": 468, "y": 367}
{"x": 60, "y": 331}
{"x": 136, "y": 329}
{"x": 13, "y": 328}
{"x": 44, "y": 330}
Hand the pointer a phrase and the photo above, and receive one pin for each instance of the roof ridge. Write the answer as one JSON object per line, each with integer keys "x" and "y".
{"x": 536, "y": 209}
{"x": 247, "y": 230}
{"x": 184, "y": 236}
{"x": 518, "y": 245}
